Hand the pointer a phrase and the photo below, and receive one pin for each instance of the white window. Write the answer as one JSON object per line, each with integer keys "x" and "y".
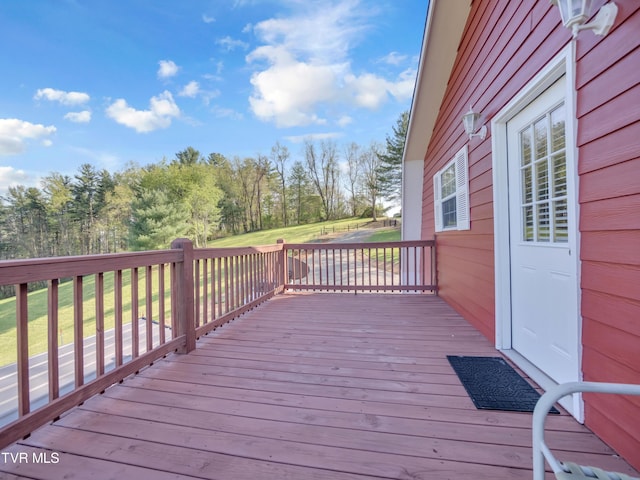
{"x": 451, "y": 194}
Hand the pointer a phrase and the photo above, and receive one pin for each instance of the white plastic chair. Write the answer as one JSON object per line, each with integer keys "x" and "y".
{"x": 567, "y": 470}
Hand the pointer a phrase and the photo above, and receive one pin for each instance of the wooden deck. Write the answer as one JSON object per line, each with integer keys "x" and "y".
{"x": 306, "y": 386}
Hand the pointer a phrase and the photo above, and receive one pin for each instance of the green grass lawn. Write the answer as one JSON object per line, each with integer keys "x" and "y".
{"x": 390, "y": 235}
{"x": 393, "y": 254}
{"x": 37, "y": 301}
{"x": 295, "y": 234}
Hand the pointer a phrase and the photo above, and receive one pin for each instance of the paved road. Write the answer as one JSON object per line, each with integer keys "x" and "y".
{"x": 39, "y": 374}
{"x": 354, "y": 236}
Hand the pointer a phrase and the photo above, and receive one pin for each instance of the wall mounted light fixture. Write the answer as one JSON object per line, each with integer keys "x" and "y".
{"x": 575, "y": 13}
{"x": 470, "y": 120}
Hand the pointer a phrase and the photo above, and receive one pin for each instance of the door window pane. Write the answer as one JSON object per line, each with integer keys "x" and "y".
{"x": 527, "y": 185}
{"x": 528, "y": 232}
{"x": 525, "y": 147}
{"x": 559, "y": 175}
{"x": 557, "y": 129}
{"x": 560, "y": 220}
{"x": 544, "y": 223}
{"x": 541, "y": 137}
{"x": 542, "y": 180}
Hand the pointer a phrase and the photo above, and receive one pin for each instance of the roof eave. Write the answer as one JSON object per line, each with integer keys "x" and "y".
{"x": 444, "y": 27}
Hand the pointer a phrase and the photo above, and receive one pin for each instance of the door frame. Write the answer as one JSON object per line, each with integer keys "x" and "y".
{"x": 561, "y": 64}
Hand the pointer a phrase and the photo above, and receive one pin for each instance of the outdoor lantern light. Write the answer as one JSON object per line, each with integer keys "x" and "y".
{"x": 470, "y": 121}
{"x": 575, "y": 13}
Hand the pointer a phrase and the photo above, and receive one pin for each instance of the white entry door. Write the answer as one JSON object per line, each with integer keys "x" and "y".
{"x": 542, "y": 236}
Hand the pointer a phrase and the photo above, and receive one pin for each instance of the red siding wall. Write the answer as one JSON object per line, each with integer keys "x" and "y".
{"x": 608, "y": 110}
{"x": 504, "y": 45}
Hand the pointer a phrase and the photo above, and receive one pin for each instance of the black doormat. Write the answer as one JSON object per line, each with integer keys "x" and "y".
{"x": 493, "y": 384}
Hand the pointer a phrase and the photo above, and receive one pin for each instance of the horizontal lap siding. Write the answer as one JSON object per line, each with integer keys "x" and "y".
{"x": 504, "y": 46}
{"x": 500, "y": 45}
{"x": 608, "y": 100}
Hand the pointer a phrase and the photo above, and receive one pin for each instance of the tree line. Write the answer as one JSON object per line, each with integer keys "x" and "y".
{"x": 198, "y": 196}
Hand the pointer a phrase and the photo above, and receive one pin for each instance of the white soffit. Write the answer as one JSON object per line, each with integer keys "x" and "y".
{"x": 446, "y": 20}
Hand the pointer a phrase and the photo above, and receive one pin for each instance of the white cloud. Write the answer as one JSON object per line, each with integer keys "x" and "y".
{"x": 304, "y": 69}
{"x": 394, "y": 58}
{"x": 313, "y": 137}
{"x": 12, "y": 177}
{"x": 207, "y": 19}
{"x": 368, "y": 90}
{"x": 167, "y": 69}
{"x": 321, "y": 31}
{"x": 345, "y": 120}
{"x": 65, "y": 98}
{"x": 230, "y": 44}
{"x": 402, "y": 88}
{"x": 289, "y": 91}
{"x": 227, "y": 113}
{"x": 191, "y": 90}
{"x": 79, "y": 117}
{"x": 161, "y": 110}
{"x": 15, "y": 133}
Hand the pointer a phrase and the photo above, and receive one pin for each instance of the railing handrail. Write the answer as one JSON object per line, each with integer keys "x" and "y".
{"x": 221, "y": 252}
{"x": 39, "y": 269}
{"x": 364, "y": 245}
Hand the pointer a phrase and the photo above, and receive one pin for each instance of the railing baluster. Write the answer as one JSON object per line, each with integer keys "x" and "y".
{"x": 117, "y": 292}
{"x": 135, "y": 314}
{"x": 416, "y": 269}
{"x": 22, "y": 333}
{"x": 243, "y": 298}
{"x": 378, "y": 268}
{"x": 174, "y": 300}
{"x": 384, "y": 262}
{"x": 369, "y": 264}
{"x": 99, "y": 280}
{"x": 205, "y": 292}
{"x": 161, "y": 305}
{"x": 197, "y": 291}
{"x": 219, "y": 275}
{"x": 52, "y": 313}
{"x": 78, "y": 341}
{"x": 149, "y": 306}
{"x": 393, "y": 256}
{"x": 355, "y": 268}
{"x": 226, "y": 285}
{"x": 341, "y": 272}
{"x": 333, "y": 261}
{"x": 214, "y": 289}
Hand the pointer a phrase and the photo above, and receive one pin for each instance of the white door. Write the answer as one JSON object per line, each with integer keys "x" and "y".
{"x": 542, "y": 231}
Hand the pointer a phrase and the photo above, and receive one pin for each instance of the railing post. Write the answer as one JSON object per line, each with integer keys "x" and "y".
{"x": 185, "y": 321}
{"x": 283, "y": 271}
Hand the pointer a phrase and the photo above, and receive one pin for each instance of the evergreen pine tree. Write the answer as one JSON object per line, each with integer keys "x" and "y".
{"x": 390, "y": 168}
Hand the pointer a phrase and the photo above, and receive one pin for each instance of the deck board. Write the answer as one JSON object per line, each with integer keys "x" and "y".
{"x": 307, "y": 386}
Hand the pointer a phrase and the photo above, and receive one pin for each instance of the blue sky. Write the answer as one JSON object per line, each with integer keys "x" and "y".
{"x": 109, "y": 82}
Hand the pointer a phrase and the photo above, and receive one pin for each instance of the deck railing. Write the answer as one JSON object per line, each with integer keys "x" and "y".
{"x": 125, "y": 311}
{"x": 407, "y": 266}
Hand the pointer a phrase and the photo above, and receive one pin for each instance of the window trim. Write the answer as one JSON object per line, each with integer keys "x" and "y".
{"x": 461, "y": 162}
